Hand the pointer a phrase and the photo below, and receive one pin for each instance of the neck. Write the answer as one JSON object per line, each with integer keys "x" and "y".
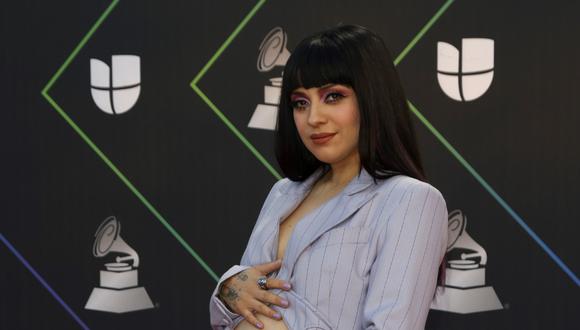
{"x": 341, "y": 173}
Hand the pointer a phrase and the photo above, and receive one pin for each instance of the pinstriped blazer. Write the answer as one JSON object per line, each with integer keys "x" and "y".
{"x": 366, "y": 259}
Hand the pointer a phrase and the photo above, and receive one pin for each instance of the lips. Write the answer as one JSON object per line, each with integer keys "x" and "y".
{"x": 321, "y": 135}
{"x": 321, "y": 138}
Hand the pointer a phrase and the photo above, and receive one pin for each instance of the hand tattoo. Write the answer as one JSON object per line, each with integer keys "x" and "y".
{"x": 230, "y": 295}
{"x": 242, "y": 276}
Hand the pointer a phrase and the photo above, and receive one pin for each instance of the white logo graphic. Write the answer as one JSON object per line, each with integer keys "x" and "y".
{"x": 115, "y": 90}
{"x": 118, "y": 291}
{"x": 467, "y": 75}
{"x": 273, "y": 52}
{"x": 464, "y": 291}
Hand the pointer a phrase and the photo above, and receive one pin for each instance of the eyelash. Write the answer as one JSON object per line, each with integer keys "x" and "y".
{"x": 299, "y": 104}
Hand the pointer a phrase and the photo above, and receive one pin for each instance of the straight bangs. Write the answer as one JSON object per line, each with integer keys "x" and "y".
{"x": 356, "y": 57}
{"x": 316, "y": 63}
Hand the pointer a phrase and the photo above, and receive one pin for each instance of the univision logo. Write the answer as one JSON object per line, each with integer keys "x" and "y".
{"x": 115, "y": 90}
{"x": 466, "y": 75}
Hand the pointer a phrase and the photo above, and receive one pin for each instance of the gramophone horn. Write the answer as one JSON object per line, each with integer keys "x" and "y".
{"x": 455, "y": 227}
{"x": 273, "y": 50}
{"x": 108, "y": 239}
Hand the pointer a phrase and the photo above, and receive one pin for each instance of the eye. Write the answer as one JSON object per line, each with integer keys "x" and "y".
{"x": 299, "y": 104}
{"x": 334, "y": 97}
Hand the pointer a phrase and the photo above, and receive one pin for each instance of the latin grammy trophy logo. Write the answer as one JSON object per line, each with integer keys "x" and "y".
{"x": 116, "y": 89}
{"x": 464, "y": 290}
{"x": 273, "y": 52}
{"x": 466, "y": 75}
{"x": 118, "y": 291}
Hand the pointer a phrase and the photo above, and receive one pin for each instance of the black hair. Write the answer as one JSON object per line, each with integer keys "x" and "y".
{"x": 355, "y": 56}
{"x": 351, "y": 55}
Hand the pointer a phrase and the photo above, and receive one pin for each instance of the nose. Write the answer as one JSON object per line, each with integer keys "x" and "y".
{"x": 316, "y": 114}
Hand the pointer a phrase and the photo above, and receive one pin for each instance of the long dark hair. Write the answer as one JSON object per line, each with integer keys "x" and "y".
{"x": 354, "y": 56}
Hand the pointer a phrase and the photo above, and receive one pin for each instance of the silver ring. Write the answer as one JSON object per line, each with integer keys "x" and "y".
{"x": 262, "y": 282}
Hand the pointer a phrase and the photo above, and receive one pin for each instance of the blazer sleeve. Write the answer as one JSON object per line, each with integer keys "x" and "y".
{"x": 410, "y": 247}
{"x": 220, "y": 315}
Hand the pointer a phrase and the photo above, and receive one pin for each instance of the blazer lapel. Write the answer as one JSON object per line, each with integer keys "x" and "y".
{"x": 288, "y": 197}
{"x": 265, "y": 241}
{"x": 352, "y": 198}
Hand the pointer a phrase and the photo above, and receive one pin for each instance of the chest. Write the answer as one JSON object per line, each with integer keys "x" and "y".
{"x": 308, "y": 205}
{"x": 286, "y": 229}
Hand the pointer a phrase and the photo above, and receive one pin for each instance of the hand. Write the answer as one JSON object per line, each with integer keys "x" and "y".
{"x": 243, "y": 296}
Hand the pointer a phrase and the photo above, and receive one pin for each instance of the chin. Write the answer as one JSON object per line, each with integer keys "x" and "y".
{"x": 326, "y": 157}
{"x": 330, "y": 155}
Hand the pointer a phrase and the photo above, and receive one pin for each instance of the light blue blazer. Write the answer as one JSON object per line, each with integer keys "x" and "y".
{"x": 366, "y": 259}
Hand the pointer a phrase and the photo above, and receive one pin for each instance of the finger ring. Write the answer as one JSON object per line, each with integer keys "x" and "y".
{"x": 262, "y": 282}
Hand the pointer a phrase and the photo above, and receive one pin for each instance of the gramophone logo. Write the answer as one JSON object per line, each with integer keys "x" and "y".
{"x": 116, "y": 90}
{"x": 118, "y": 291}
{"x": 465, "y": 290}
{"x": 465, "y": 75}
{"x": 273, "y": 52}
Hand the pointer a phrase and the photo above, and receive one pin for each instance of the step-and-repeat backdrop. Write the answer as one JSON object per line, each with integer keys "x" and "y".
{"x": 137, "y": 152}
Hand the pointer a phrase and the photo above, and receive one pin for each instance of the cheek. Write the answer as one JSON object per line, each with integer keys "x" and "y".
{"x": 354, "y": 135}
{"x": 351, "y": 123}
{"x": 299, "y": 123}
{"x": 350, "y": 119}
{"x": 355, "y": 117}
{"x": 296, "y": 121}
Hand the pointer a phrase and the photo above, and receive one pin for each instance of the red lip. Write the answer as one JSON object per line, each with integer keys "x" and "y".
{"x": 321, "y": 135}
{"x": 322, "y": 138}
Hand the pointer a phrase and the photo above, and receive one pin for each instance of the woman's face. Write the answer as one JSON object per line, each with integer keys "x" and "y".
{"x": 327, "y": 119}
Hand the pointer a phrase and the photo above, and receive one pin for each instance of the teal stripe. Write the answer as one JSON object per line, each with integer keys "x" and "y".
{"x": 494, "y": 194}
{"x": 467, "y": 166}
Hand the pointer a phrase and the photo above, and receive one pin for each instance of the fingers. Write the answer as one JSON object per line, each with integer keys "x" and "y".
{"x": 269, "y": 267}
{"x": 271, "y": 298}
{"x": 274, "y": 283}
{"x": 242, "y": 294}
{"x": 250, "y": 317}
{"x": 259, "y": 308}
{"x": 267, "y": 311}
{"x": 239, "y": 299}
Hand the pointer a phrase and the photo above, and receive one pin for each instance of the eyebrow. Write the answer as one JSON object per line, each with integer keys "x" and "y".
{"x": 321, "y": 89}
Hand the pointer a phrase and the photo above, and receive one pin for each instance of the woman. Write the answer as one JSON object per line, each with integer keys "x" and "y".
{"x": 353, "y": 237}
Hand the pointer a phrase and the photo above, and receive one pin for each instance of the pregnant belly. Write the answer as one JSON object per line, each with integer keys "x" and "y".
{"x": 269, "y": 324}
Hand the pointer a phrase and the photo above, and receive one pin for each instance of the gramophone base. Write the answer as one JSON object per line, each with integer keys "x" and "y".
{"x": 465, "y": 301}
{"x": 119, "y": 301}
{"x": 264, "y": 117}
